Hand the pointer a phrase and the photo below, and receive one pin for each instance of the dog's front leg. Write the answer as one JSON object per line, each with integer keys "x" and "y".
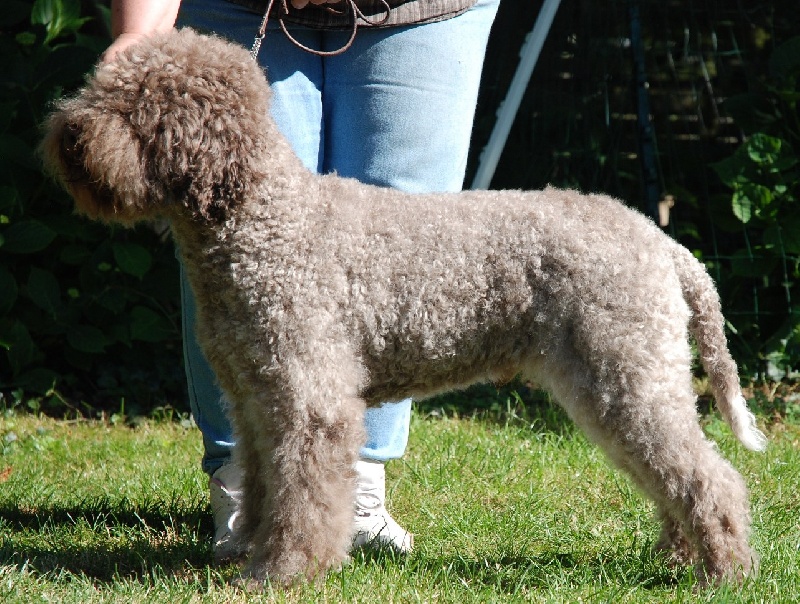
{"x": 299, "y": 451}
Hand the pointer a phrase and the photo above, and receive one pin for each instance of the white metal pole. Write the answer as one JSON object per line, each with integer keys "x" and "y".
{"x": 529, "y": 55}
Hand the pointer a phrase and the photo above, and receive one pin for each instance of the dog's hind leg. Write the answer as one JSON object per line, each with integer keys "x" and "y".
{"x": 647, "y": 425}
{"x": 673, "y": 542}
{"x": 309, "y": 434}
{"x": 704, "y": 508}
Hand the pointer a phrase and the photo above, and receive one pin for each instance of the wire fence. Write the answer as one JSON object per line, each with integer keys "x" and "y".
{"x": 580, "y": 125}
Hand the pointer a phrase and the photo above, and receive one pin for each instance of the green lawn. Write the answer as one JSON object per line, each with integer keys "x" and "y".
{"x": 504, "y": 509}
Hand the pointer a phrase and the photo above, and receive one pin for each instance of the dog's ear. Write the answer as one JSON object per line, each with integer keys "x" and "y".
{"x": 205, "y": 144}
{"x": 202, "y": 119}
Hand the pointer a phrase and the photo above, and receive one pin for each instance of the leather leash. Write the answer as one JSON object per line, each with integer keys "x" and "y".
{"x": 354, "y": 12}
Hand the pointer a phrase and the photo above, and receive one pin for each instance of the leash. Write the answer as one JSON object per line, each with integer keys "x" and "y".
{"x": 353, "y": 12}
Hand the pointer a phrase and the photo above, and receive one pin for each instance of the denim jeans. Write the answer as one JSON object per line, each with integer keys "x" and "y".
{"x": 395, "y": 110}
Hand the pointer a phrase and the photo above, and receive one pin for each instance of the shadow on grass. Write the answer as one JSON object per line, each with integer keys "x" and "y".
{"x": 548, "y": 570}
{"x": 107, "y": 544}
{"x": 515, "y": 403}
{"x": 518, "y": 573}
{"x": 106, "y": 541}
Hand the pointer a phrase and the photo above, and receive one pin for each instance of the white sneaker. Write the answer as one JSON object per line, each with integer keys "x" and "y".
{"x": 373, "y": 524}
{"x": 225, "y": 486}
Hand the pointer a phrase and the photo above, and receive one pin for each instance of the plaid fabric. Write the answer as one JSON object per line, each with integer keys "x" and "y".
{"x": 403, "y": 12}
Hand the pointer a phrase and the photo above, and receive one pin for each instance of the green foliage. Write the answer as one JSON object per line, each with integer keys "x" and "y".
{"x": 764, "y": 176}
{"x": 59, "y": 17}
{"x": 762, "y": 173}
{"x": 84, "y": 310}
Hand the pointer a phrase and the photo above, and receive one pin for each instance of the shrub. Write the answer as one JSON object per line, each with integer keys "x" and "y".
{"x": 84, "y": 310}
{"x": 764, "y": 176}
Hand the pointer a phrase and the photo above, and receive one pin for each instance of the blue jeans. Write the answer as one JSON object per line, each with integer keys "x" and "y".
{"x": 395, "y": 110}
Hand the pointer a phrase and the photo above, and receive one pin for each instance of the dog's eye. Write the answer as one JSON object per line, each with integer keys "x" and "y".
{"x": 70, "y": 137}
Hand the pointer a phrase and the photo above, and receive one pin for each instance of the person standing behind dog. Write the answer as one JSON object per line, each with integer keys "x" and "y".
{"x": 394, "y": 109}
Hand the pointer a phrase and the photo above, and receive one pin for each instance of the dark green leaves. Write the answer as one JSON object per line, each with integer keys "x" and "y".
{"x": 43, "y": 290}
{"x": 132, "y": 258}
{"x": 82, "y": 308}
{"x": 60, "y": 17}
{"x": 26, "y": 237}
{"x": 762, "y": 173}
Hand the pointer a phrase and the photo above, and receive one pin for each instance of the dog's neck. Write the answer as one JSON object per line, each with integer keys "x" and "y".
{"x": 268, "y": 220}
{"x": 272, "y": 216}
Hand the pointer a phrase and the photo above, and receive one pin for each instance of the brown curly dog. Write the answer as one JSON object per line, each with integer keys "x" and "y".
{"x": 319, "y": 295}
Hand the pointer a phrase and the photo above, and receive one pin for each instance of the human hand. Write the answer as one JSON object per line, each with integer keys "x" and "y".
{"x": 122, "y": 42}
{"x": 134, "y": 20}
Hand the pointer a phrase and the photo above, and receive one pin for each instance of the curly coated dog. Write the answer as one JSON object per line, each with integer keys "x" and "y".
{"x": 319, "y": 296}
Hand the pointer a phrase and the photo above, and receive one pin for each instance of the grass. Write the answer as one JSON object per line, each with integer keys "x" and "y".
{"x": 508, "y": 505}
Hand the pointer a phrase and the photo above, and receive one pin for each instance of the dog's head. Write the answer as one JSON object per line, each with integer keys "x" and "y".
{"x": 178, "y": 121}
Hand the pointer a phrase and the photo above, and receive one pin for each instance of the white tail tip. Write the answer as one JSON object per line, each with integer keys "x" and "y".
{"x": 743, "y": 424}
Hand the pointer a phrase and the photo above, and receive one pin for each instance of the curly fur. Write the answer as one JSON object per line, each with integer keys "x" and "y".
{"x": 320, "y": 295}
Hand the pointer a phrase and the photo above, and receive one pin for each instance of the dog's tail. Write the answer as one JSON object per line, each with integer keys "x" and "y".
{"x": 707, "y": 327}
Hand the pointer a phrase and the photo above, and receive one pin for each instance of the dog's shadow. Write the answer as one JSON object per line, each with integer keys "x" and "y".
{"x": 105, "y": 541}
{"x": 518, "y": 574}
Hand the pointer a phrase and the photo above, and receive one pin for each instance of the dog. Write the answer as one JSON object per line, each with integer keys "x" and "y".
{"x": 319, "y": 296}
